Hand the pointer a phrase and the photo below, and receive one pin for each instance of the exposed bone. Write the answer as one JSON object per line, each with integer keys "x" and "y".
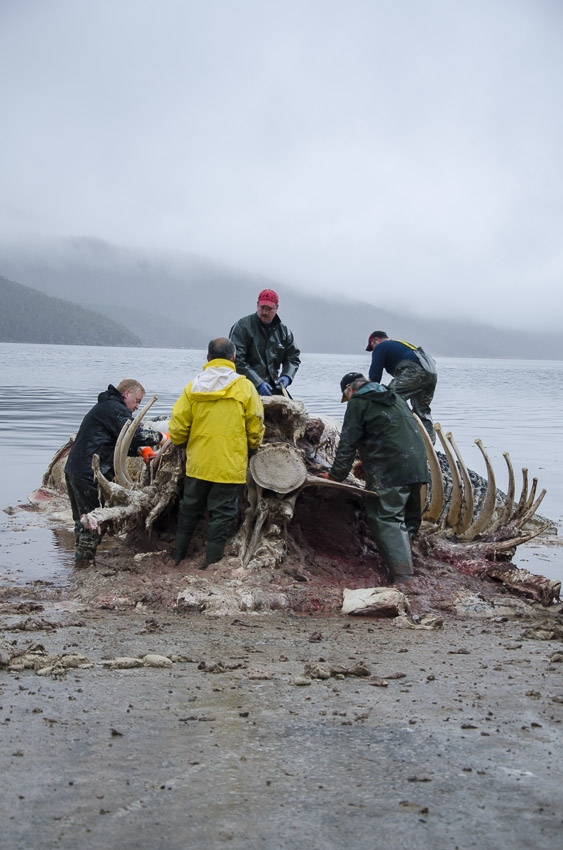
{"x": 284, "y": 419}
{"x": 505, "y": 511}
{"x": 532, "y": 495}
{"x": 103, "y": 519}
{"x": 328, "y": 482}
{"x": 539, "y": 588}
{"x": 254, "y": 494}
{"x": 521, "y": 506}
{"x": 526, "y": 517}
{"x": 544, "y": 590}
{"x": 261, "y": 517}
{"x": 434, "y": 510}
{"x": 160, "y": 451}
{"x": 467, "y": 506}
{"x": 491, "y": 548}
{"x": 123, "y": 506}
{"x": 281, "y": 469}
{"x": 54, "y": 474}
{"x": 454, "y": 512}
{"x": 124, "y": 444}
{"x": 484, "y": 519}
{"x": 111, "y": 492}
{"x": 268, "y": 548}
{"x": 119, "y": 464}
{"x": 154, "y": 465}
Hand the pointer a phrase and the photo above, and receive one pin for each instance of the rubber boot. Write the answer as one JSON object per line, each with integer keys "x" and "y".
{"x": 183, "y": 540}
{"x": 214, "y": 553}
{"x": 84, "y": 557}
{"x": 400, "y": 577}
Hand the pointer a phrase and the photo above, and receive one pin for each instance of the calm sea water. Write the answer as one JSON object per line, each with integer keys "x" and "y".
{"x": 512, "y": 405}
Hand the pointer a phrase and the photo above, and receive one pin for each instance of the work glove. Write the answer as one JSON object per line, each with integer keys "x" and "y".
{"x": 283, "y": 382}
{"x": 264, "y": 388}
{"x": 147, "y": 453}
{"x": 324, "y": 475}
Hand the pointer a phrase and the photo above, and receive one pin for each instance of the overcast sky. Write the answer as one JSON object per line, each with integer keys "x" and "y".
{"x": 409, "y": 153}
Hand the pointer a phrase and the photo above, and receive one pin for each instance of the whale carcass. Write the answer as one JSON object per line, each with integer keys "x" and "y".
{"x": 297, "y": 527}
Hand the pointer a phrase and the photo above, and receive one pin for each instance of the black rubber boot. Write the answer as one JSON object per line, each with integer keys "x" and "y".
{"x": 84, "y": 557}
{"x": 183, "y": 540}
{"x": 213, "y": 554}
{"x": 402, "y": 578}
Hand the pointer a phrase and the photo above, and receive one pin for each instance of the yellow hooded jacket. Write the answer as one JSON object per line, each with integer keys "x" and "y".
{"x": 220, "y": 415}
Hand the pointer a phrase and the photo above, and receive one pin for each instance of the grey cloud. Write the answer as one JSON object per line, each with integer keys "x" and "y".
{"x": 408, "y": 152}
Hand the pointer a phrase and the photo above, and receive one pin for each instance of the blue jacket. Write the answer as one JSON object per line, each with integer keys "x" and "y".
{"x": 387, "y": 355}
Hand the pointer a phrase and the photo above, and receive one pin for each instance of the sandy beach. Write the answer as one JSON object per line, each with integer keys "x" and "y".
{"x": 154, "y": 728}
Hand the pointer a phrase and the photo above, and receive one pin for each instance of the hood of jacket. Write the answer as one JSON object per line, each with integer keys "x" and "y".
{"x": 377, "y": 393}
{"x": 219, "y": 416}
{"x": 111, "y": 392}
{"x": 215, "y": 380}
{"x": 380, "y": 427}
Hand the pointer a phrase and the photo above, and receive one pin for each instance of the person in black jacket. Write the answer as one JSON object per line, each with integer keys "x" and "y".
{"x": 98, "y": 434}
{"x": 380, "y": 427}
{"x": 266, "y": 352}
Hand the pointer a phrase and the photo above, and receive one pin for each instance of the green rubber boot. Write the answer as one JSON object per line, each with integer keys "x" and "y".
{"x": 183, "y": 540}
{"x": 214, "y": 553}
{"x": 84, "y": 557}
{"x": 401, "y": 577}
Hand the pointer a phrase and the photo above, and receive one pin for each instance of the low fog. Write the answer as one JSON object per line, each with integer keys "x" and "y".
{"x": 406, "y": 154}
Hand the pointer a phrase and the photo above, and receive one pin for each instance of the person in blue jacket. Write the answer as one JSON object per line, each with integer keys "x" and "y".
{"x": 414, "y": 373}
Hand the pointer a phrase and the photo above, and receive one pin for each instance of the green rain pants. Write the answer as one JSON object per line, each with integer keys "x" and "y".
{"x": 220, "y": 501}
{"x": 394, "y": 517}
{"x": 84, "y": 497}
{"x": 416, "y": 385}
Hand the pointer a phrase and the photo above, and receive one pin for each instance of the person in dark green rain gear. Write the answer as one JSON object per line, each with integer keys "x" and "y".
{"x": 380, "y": 427}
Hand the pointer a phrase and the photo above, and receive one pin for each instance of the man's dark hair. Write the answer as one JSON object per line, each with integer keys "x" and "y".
{"x": 221, "y": 348}
{"x": 373, "y": 335}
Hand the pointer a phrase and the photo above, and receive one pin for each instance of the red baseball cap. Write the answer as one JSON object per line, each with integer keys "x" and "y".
{"x": 268, "y": 296}
{"x": 370, "y": 338}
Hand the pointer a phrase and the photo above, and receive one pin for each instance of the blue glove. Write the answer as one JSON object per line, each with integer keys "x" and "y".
{"x": 283, "y": 382}
{"x": 264, "y": 388}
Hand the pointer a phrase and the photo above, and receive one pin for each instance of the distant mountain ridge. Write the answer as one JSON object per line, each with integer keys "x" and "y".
{"x": 27, "y": 315}
{"x": 182, "y": 301}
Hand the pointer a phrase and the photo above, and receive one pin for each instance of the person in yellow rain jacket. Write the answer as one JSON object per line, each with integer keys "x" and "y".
{"x": 221, "y": 418}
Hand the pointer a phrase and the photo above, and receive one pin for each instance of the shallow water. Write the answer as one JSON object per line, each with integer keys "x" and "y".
{"x": 512, "y": 405}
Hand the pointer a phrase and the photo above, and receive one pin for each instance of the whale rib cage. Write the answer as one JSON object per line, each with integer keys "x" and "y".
{"x": 489, "y": 525}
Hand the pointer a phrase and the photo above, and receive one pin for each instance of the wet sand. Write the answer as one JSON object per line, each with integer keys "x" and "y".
{"x": 450, "y": 739}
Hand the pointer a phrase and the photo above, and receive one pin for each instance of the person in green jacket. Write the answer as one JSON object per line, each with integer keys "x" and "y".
{"x": 266, "y": 351}
{"x": 381, "y": 428}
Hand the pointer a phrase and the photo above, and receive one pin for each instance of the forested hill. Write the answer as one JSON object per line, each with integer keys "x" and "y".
{"x": 183, "y": 301}
{"x": 27, "y": 315}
